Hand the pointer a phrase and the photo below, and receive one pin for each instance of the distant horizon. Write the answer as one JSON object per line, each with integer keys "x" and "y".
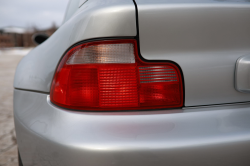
{"x": 1, "y": 27}
{"x": 27, "y": 14}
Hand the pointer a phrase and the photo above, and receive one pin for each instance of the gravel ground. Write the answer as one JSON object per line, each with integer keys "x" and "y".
{"x": 8, "y": 147}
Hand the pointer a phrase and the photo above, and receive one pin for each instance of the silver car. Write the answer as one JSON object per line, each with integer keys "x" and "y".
{"x": 138, "y": 83}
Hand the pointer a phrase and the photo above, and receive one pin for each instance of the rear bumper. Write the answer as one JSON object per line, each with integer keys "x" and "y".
{"x": 212, "y": 136}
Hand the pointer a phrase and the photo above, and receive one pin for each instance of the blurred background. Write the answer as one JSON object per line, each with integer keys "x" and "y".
{"x": 19, "y": 21}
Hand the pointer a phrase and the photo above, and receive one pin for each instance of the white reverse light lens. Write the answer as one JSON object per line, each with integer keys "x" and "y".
{"x": 104, "y": 53}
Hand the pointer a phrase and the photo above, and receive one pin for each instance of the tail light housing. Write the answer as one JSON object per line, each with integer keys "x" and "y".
{"x": 109, "y": 75}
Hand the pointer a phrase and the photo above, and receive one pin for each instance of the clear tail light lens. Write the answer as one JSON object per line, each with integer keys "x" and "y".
{"x": 109, "y": 75}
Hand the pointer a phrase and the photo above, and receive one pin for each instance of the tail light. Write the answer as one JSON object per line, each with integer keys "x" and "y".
{"x": 109, "y": 75}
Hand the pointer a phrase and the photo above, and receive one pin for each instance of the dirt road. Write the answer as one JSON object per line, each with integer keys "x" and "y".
{"x": 8, "y": 147}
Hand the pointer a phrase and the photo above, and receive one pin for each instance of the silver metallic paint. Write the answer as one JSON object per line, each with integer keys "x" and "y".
{"x": 213, "y": 136}
{"x": 81, "y": 2}
{"x": 72, "y": 7}
{"x": 204, "y": 37}
{"x": 242, "y": 74}
{"x": 95, "y": 19}
{"x": 48, "y": 135}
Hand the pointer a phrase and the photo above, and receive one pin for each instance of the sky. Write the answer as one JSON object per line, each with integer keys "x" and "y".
{"x": 30, "y": 13}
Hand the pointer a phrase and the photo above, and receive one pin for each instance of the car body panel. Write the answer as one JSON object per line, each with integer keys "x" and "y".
{"x": 95, "y": 19}
{"x": 72, "y": 7}
{"x": 242, "y": 76}
{"x": 211, "y": 136}
{"x": 204, "y": 37}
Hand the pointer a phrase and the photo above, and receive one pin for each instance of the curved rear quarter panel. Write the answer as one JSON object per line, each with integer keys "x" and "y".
{"x": 205, "y": 37}
{"x": 49, "y": 136}
{"x": 95, "y": 19}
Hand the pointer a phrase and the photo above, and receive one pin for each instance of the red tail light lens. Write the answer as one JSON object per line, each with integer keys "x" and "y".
{"x": 109, "y": 75}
